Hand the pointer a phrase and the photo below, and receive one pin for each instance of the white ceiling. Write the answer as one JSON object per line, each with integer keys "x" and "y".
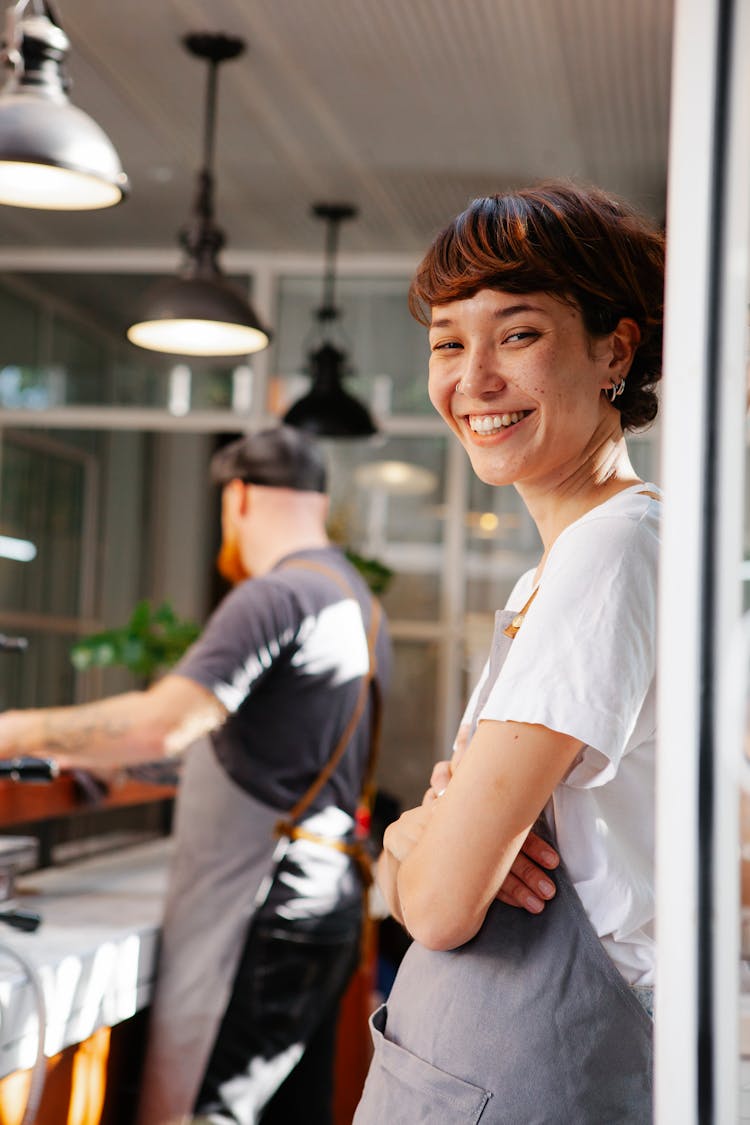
{"x": 407, "y": 108}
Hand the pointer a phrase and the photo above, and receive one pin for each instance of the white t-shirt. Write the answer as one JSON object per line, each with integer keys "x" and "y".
{"x": 583, "y": 663}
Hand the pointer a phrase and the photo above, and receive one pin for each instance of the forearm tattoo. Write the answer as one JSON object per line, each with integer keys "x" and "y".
{"x": 81, "y": 730}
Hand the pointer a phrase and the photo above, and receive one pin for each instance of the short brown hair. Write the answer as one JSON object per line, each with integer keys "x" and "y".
{"x": 575, "y": 243}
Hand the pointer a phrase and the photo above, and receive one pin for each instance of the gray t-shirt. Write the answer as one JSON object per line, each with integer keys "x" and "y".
{"x": 285, "y": 653}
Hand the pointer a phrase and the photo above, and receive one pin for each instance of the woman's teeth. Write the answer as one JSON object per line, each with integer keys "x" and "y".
{"x": 488, "y": 423}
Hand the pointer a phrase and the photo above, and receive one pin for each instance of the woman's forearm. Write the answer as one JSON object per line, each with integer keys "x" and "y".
{"x": 448, "y": 878}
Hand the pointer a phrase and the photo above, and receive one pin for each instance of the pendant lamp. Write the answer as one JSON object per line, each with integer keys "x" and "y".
{"x": 52, "y": 155}
{"x": 200, "y": 312}
{"x": 327, "y": 409}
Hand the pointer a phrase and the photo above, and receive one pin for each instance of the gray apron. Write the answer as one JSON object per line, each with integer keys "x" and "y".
{"x": 225, "y": 850}
{"x": 529, "y": 1023}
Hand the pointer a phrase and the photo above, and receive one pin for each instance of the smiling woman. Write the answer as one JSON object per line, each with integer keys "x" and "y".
{"x": 544, "y": 315}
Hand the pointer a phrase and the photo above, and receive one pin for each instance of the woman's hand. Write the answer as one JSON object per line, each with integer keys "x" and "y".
{"x": 402, "y": 835}
{"x": 526, "y": 884}
{"x": 399, "y": 839}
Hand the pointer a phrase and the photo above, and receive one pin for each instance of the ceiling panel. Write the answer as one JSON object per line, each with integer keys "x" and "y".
{"x": 407, "y": 108}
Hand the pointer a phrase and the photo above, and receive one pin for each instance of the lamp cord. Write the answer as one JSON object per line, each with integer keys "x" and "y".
{"x": 328, "y": 310}
{"x": 209, "y": 124}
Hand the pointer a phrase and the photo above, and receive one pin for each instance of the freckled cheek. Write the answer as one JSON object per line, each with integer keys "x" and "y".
{"x": 440, "y": 392}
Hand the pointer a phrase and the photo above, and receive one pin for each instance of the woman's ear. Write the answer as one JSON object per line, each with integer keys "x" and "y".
{"x": 624, "y": 342}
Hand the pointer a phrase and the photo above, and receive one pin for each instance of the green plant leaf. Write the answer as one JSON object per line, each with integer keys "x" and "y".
{"x": 149, "y": 642}
{"x": 375, "y": 573}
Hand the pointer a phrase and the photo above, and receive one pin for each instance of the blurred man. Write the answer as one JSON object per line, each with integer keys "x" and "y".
{"x": 277, "y": 701}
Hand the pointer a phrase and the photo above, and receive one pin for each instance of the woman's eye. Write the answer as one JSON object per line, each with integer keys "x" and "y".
{"x": 446, "y": 345}
{"x": 521, "y": 334}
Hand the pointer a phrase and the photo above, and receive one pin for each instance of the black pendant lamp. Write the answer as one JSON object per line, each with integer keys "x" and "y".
{"x": 53, "y": 156}
{"x": 327, "y": 409}
{"x": 200, "y": 312}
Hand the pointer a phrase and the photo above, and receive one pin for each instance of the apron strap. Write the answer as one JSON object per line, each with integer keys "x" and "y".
{"x": 517, "y": 622}
{"x": 287, "y": 825}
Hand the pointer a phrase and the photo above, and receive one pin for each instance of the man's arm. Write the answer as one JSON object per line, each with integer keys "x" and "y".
{"x": 122, "y": 730}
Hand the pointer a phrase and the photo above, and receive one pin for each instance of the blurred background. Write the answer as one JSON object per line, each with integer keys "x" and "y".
{"x": 406, "y": 111}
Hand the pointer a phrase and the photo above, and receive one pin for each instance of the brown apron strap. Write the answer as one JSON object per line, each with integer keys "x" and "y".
{"x": 517, "y": 622}
{"x": 653, "y": 495}
{"x": 287, "y": 826}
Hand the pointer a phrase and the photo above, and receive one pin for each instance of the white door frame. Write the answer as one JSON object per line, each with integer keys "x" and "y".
{"x": 702, "y": 474}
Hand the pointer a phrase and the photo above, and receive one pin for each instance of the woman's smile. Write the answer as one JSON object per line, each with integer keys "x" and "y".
{"x": 492, "y": 424}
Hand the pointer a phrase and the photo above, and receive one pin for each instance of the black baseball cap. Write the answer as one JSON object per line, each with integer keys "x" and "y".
{"x": 280, "y": 457}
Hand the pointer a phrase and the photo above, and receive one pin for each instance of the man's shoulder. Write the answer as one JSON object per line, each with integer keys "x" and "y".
{"x": 326, "y": 570}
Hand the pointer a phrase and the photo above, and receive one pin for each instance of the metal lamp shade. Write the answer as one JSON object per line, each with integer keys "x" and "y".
{"x": 200, "y": 312}
{"x": 327, "y": 409}
{"x": 53, "y": 156}
{"x": 198, "y": 316}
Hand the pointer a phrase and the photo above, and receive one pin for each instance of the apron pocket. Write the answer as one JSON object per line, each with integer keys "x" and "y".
{"x": 403, "y": 1089}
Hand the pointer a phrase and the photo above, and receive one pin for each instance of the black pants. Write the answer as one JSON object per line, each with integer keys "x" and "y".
{"x": 272, "y": 1061}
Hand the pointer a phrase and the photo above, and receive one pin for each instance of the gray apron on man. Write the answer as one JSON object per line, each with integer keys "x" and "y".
{"x": 225, "y": 847}
{"x": 529, "y": 1023}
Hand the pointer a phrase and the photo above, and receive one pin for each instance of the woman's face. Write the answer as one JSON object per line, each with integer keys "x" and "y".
{"x": 529, "y": 401}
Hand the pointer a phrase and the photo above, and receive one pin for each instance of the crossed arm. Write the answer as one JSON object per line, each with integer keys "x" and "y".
{"x": 122, "y": 730}
{"x": 444, "y": 862}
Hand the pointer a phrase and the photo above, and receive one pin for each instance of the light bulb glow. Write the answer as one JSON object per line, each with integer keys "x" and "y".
{"x": 397, "y": 477}
{"x": 197, "y": 337}
{"x": 49, "y": 188}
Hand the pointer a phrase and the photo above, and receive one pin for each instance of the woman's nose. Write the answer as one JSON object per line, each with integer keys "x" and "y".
{"x": 480, "y": 376}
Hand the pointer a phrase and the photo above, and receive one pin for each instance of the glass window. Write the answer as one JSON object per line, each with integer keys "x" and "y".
{"x": 388, "y": 504}
{"x": 386, "y": 347}
{"x": 501, "y": 543}
{"x": 43, "y": 674}
{"x": 46, "y": 514}
{"x": 42, "y": 504}
{"x": 409, "y": 722}
{"x": 64, "y": 344}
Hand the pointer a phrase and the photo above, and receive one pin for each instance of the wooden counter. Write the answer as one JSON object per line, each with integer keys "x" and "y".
{"x": 34, "y": 801}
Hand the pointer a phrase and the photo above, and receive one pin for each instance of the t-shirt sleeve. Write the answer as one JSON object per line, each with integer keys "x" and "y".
{"x": 247, "y": 632}
{"x": 584, "y": 658}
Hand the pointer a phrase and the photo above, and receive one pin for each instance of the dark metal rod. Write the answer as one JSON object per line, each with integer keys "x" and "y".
{"x": 331, "y": 248}
{"x": 210, "y": 122}
{"x": 707, "y": 750}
